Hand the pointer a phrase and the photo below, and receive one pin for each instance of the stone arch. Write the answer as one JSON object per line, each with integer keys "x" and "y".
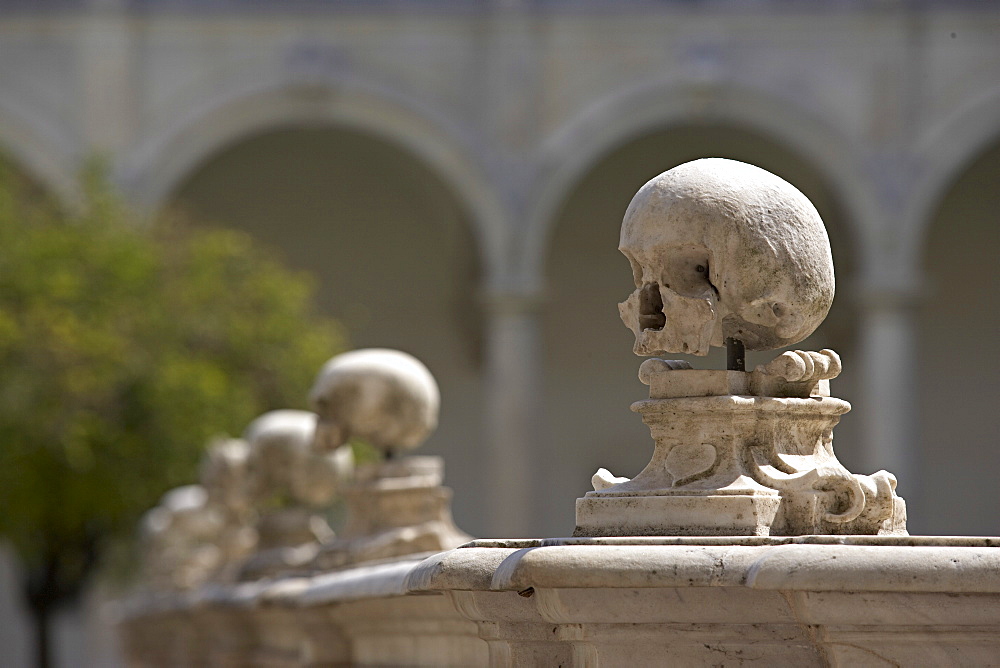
{"x": 40, "y": 158}
{"x": 955, "y": 325}
{"x": 571, "y": 151}
{"x": 388, "y": 246}
{"x": 154, "y": 168}
{"x": 940, "y": 159}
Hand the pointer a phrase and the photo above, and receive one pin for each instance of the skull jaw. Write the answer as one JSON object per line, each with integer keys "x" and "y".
{"x": 691, "y": 325}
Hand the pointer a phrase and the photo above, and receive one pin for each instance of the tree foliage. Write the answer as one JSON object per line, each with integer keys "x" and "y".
{"x": 124, "y": 347}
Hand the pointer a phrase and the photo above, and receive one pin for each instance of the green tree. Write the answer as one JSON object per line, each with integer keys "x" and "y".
{"x": 124, "y": 347}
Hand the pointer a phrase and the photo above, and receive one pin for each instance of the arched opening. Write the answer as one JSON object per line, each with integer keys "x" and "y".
{"x": 591, "y": 370}
{"x": 389, "y": 245}
{"x": 958, "y": 368}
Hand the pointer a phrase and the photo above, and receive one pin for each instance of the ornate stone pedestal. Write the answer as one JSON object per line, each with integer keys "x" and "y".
{"x": 730, "y": 462}
{"x": 289, "y": 538}
{"x": 395, "y": 508}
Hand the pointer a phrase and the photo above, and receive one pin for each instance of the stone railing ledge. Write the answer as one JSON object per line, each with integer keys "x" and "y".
{"x": 222, "y": 595}
{"x": 886, "y": 568}
{"x": 360, "y": 582}
{"x": 461, "y": 569}
{"x": 284, "y": 591}
{"x": 802, "y": 563}
{"x": 630, "y": 566}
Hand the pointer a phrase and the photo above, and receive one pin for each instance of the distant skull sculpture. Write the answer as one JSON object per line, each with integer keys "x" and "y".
{"x": 283, "y": 463}
{"x": 178, "y": 539}
{"x": 396, "y": 506}
{"x": 201, "y": 532}
{"x": 223, "y": 473}
{"x": 290, "y": 486}
{"x": 385, "y": 397}
{"x": 723, "y": 249}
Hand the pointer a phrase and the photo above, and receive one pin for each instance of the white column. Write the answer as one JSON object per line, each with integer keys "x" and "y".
{"x": 888, "y": 396}
{"x": 513, "y": 413}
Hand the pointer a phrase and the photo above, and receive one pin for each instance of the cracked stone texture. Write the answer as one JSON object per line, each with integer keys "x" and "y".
{"x": 805, "y": 601}
{"x": 720, "y": 249}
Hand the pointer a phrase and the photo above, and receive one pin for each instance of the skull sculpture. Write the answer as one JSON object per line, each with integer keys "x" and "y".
{"x": 283, "y": 465}
{"x": 396, "y": 506}
{"x": 178, "y": 537}
{"x": 384, "y": 397}
{"x": 723, "y": 249}
{"x": 223, "y": 473}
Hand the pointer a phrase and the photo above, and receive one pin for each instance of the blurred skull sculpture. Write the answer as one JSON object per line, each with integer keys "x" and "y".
{"x": 201, "y": 532}
{"x": 177, "y": 538}
{"x": 384, "y": 397}
{"x": 723, "y": 249}
{"x": 223, "y": 474}
{"x": 396, "y": 506}
{"x": 291, "y": 486}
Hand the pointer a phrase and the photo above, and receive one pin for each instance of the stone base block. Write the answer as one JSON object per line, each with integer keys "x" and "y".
{"x": 687, "y": 515}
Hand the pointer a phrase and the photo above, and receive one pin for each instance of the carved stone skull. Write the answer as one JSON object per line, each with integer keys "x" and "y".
{"x": 385, "y": 397}
{"x": 178, "y": 539}
{"x": 282, "y": 462}
{"x": 723, "y": 249}
{"x": 223, "y": 474}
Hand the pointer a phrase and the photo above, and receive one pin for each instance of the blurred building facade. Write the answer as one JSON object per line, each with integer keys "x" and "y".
{"x": 455, "y": 175}
{"x": 455, "y": 172}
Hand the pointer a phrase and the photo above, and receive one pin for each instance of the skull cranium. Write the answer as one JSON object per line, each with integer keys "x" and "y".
{"x": 723, "y": 249}
{"x": 282, "y": 463}
{"x": 385, "y": 397}
{"x": 223, "y": 474}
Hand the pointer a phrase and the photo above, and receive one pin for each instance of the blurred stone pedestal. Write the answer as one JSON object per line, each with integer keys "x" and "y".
{"x": 395, "y": 508}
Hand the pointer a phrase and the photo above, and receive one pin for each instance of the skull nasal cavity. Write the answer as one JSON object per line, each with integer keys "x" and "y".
{"x": 651, "y": 308}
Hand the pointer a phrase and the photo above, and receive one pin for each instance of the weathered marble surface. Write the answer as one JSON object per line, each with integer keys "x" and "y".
{"x": 725, "y": 253}
{"x": 742, "y": 453}
{"x": 722, "y": 249}
{"x": 805, "y": 600}
{"x": 914, "y": 601}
